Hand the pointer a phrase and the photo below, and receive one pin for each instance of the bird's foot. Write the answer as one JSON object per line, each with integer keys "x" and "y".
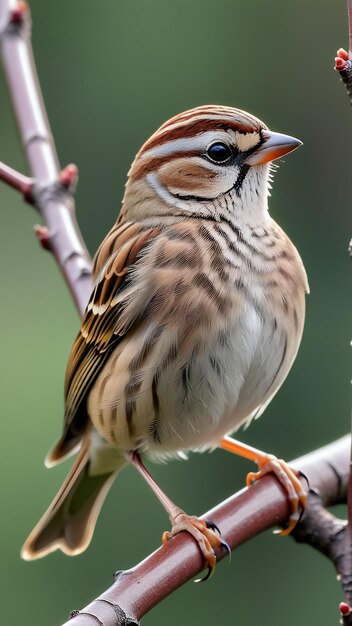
{"x": 205, "y": 532}
{"x": 289, "y": 479}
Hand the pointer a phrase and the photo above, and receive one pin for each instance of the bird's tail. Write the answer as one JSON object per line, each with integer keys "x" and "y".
{"x": 69, "y": 522}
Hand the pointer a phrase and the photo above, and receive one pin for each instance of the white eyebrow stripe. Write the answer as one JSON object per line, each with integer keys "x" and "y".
{"x": 198, "y": 142}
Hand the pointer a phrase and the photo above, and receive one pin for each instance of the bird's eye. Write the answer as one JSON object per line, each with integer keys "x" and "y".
{"x": 219, "y": 152}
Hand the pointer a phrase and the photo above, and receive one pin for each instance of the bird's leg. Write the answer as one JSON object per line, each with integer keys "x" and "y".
{"x": 286, "y": 475}
{"x": 205, "y": 532}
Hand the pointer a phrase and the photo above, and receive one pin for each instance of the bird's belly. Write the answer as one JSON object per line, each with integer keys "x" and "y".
{"x": 191, "y": 403}
{"x": 223, "y": 387}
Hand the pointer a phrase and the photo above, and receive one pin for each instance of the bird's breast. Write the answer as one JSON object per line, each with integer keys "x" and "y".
{"x": 220, "y": 328}
{"x": 183, "y": 399}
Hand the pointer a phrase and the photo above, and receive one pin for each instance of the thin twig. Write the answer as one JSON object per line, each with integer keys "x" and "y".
{"x": 17, "y": 181}
{"x": 349, "y": 19}
{"x": 51, "y": 191}
{"x": 343, "y": 61}
{"x": 343, "y": 64}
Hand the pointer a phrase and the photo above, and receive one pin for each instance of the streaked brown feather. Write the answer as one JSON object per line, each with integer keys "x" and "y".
{"x": 121, "y": 232}
{"x": 98, "y": 335}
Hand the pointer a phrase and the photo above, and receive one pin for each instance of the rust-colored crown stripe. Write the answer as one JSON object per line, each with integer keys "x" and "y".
{"x": 213, "y": 109}
{"x": 177, "y": 128}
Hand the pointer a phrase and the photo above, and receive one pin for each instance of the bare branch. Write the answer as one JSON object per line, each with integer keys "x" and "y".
{"x": 240, "y": 518}
{"x": 343, "y": 64}
{"x": 343, "y": 61}
{"x": 50, "y": 191}
{"x": 328, "y": 535}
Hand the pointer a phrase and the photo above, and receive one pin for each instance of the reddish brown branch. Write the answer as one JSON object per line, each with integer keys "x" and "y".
{"x": 240, "y": 518}
{"x": 329, "y": 535}
{"x": 49, "y": 189}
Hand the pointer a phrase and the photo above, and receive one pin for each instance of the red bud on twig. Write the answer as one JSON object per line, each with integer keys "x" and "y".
{"x": 69, "y": 175}
{"x": 43, "y": 236}
{"x": 18, "y": 14}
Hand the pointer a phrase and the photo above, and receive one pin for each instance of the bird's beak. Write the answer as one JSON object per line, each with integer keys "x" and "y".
{"x": 274, "y": 146}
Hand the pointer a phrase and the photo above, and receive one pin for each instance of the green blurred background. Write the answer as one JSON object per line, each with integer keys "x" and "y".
{"x": 111, "y": 72}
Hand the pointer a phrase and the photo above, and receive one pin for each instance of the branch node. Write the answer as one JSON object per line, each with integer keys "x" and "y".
{"x": 27, "y": 192}
{"x": 123, "y": 618}
{"x": 96, "y": 618}
{"x": 43, "y": 236}
{"x": 117, "y": 574}
{"x": 74, "y": 613}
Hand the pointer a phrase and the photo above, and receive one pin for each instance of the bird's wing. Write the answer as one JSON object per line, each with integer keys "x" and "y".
{"x": 100, "y": 330}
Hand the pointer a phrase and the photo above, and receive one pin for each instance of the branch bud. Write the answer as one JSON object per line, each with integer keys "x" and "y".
{"x": 43, "y": 236}
{"x": 69, "y": 176}
{"x": 18, "y": 14}
{"x": 345, "y": 609}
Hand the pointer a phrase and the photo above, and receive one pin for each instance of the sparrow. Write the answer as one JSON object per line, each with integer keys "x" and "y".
{"x": 193, "y": 324}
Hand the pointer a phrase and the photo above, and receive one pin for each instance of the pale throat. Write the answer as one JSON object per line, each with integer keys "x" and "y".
{"x": 251, "y": 203}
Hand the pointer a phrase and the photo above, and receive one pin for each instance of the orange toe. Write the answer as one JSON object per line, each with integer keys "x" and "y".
{"x": 288, "y": 478}
{"x": 204, "y": 532}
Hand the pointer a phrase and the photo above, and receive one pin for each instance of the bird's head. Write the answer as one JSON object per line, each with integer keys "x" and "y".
{"x": 204, "y": 162}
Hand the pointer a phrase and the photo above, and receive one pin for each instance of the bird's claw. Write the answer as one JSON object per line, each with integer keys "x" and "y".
{"x": 303, "y": 475}
{"x": 210, "y": 524}
{"x": 289, "y": 479}
{"x": 205, "y": 532}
